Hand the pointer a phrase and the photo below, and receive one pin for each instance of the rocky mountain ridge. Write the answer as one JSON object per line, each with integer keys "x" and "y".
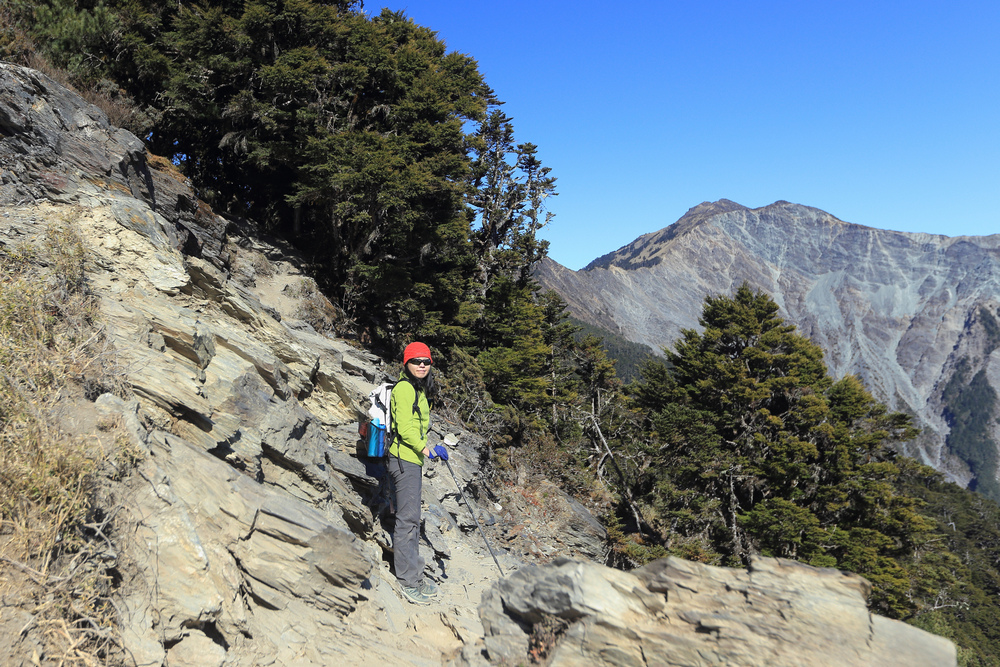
{"x": 252, "y": 533}
{"x": 902, "y": 311}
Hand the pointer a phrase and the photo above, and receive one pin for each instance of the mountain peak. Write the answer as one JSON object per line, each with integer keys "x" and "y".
{"x": 713, "y": 208}
{"x": 903, "y": 311}
{"x": 645, "y": 251}
{"x": 632, "y": 256}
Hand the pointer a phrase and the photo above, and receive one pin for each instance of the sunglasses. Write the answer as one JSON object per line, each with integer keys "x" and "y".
{"x": 420, "y": 362}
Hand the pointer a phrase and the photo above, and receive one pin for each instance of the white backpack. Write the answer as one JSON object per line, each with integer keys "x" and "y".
{"x": 377, "y": 431}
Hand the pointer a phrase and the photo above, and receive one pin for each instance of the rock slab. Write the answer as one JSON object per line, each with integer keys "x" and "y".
{"x": 777, "y": 613}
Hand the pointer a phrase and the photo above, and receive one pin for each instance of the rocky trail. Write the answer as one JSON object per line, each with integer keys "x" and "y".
{"x": 248, "y": 531}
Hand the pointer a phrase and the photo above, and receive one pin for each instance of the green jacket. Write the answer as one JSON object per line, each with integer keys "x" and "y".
{"x": 410, "y": 425}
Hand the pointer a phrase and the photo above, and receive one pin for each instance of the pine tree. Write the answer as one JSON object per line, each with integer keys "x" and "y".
{"x": 515, "y": 355}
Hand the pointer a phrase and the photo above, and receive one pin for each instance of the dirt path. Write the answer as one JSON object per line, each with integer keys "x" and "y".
{"x": 388, "y": 628}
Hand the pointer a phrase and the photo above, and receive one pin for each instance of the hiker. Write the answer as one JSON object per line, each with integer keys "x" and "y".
{"x": 411, "y": 421}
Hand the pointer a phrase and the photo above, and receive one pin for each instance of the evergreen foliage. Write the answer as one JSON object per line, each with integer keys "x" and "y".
{"x": 343, "y": 132}
{"x": 559, "y": 333}
{"x": 754, "y": 449}
{"x": 627, "y": 356}
{"x": 966, "y": 606}
{"x": 509, "y": 196}
{"x": 970, "y": 406}
{"x": 992, "y": 329}
{"x": 515, "y": 354}
{"x": 381, "y": 156}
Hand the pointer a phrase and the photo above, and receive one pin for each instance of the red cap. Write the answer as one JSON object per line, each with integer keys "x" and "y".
{"x": 416, "y": 351}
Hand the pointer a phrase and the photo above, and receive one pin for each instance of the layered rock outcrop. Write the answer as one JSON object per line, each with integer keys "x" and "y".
{"x": 673, "y": 612}
{"x": 249, "y": 528}
{"x": 250, "y": 531}
{"x": 902, "y": 311}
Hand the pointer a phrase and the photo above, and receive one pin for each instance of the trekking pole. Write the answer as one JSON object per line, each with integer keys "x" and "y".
{"x": 450, "y": 440}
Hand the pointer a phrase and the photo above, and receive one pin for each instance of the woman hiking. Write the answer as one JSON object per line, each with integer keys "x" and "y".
{"x": 411, "y": 421}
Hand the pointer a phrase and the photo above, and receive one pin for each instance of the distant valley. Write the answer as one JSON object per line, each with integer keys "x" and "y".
{"x": 913, "y": 315}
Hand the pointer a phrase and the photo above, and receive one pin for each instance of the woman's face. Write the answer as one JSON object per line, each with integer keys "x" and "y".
{"x": 419, "y": 368}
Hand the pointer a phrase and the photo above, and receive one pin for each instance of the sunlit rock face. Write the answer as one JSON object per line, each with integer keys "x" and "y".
{"x": 904, "y": 312}
{"x": 777, "y": 613}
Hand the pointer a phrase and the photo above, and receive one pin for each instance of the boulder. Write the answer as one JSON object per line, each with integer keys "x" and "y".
{"x": 777, "y": 613}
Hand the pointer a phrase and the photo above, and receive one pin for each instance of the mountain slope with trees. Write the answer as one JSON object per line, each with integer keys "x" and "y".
{"x": 912, "y": 315}
{"x": 387, "y": 162}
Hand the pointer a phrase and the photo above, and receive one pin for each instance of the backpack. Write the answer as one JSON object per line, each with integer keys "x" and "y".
{"x": 378, "y": 431}
{"x": 377, "y": 435}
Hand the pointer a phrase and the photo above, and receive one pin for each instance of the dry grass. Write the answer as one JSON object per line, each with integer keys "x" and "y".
{"x": 55, "y": 548}
{"x": 15, "y": 45}
{"x": 107, "y": 96}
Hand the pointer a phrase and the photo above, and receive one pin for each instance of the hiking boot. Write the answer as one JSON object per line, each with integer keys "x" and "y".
{"x": 415, "y": 595}
{"x": 429, "y": 589}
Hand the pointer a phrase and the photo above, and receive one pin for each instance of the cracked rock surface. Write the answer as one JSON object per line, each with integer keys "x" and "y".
{"x": 778, "y": 613}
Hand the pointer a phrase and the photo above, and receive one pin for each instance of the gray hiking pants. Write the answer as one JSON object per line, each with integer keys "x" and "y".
{"x": 407, "y": 479}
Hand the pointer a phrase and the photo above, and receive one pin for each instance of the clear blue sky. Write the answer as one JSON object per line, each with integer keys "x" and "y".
{"x": 882, "y": 113}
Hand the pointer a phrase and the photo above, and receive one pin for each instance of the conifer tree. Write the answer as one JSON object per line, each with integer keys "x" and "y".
{"x": 755, "y": 450}
{"x": 510, "y": 189}
{"x": 343, "y": 132}
{"x": 514, "y": 356}
{"x": 558, "y": 332}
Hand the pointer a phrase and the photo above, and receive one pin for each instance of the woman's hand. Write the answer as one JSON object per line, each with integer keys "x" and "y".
{"x": 427, "y": 451}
